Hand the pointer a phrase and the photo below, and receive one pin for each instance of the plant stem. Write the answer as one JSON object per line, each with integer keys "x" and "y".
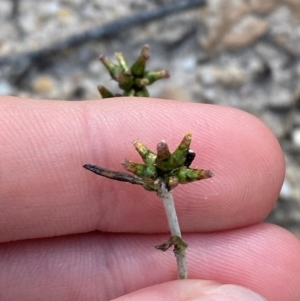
{"x": 115, "y": 175}
{"x": 179, "y": 245}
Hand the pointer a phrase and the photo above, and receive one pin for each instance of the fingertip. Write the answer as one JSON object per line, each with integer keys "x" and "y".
{"x": 193, "y": 290}
{"x": 244, "y": 155}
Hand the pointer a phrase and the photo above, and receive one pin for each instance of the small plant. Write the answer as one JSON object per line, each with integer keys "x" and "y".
{"x": 133, "y": 80}
{"x": 162, "y": 171}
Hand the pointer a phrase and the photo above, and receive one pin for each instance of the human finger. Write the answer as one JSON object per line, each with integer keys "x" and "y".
{"x": 192, "y": 290}
{"x": 46, "y": 192}
{"x": 263, "y": 258}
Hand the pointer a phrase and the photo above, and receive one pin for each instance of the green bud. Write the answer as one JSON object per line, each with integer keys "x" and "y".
{"x": 122, "y": 62}
{"x": 110, "y": 66}
{"x": 153, "y": 76}
{"x": 104, "y": 92}
{"x": 187, "y": 175}
{"x": 142, "y": 93}
{"x": 131, "y": 92}
{"x": 147, "y": 155}
{"x": 141, "y": 170}
{"x": 141, "y": 82}
{"x": 180, "y": 154}
{"x": 172, "y": 182}
{"x": 124, "y": 80}
{"x": 138, "y": 67}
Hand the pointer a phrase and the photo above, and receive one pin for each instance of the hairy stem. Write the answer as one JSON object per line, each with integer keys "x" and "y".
{"x": 179, "y": 245}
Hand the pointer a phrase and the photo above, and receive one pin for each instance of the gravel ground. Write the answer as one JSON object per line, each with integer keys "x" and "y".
{"x": 244, "y": 54}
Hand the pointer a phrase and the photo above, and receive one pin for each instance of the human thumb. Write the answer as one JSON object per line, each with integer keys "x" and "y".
{"x": 193, "y": 290}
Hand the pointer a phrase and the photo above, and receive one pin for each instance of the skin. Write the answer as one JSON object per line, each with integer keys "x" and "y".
{"x": 68, "y": 234}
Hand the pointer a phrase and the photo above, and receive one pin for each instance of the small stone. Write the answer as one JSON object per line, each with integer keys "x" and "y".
{"x": 174, "y": 93}
{"x": 43, "y": 85}
{"x": 209, "y": 96}
{"x": 296, "y": 136}
{"x": 173, "y": 30}
{"x": 49, "y": 9}
{"x": 208, "y": 75}
{"x": 286, "y": 190}
{"x": 95, "y": 68}
{"x": 230, "y": 76}
{"x": 189, "y": 63}
{"x": 262, "y": 7}
{"x": 293, "y": 3}
{"x": 245, "y": 33}
{"x": 6, "y": 88}
{"x": 297, "y": 119}
{"x": 5, "y": 49}
{"x": 281, "y": 99}
{"x": 218, "y": 18}
{"x": 28, "y": 24}
{"x": 64, "y": 14}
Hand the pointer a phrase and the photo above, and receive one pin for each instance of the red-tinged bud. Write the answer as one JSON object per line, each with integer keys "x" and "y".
{"x": 104, "y": 92}
{"x": 139, "y": 66}
{"x": 209, "y": 173}
{"x": 158, "y": 170}
{"x": 187, "y": 175}
{"x": 153, "y": 76}
{"x": 163, "y": 159}
{"x": 163, "y": 152}
{"x": 141, "y": 170}
{"x": 147, "y": 155}
{"x": 110, "y": 66}
{"x": 124, "y": 80}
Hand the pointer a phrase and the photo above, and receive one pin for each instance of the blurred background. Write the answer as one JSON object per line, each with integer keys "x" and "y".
{"x": 240, "y": 53}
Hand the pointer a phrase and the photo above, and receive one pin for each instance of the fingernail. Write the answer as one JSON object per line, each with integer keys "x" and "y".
{"x": 230, "y": 292}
